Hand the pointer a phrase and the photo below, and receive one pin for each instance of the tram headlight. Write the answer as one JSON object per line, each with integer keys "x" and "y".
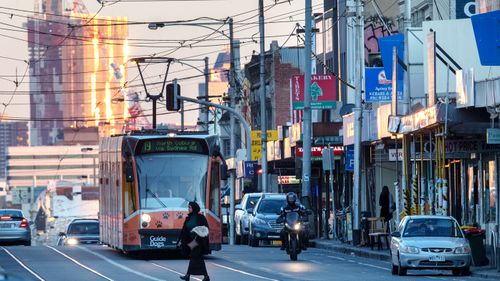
{"x": 146, "y": 218}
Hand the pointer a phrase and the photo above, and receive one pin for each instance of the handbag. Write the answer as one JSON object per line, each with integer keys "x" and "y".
{"x": 193, "y": 244}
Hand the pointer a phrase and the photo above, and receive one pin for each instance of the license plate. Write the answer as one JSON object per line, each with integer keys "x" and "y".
{"x": 7, "y": 225}
{"x": 436, "y": 258}
{"x": 276, "y": 242}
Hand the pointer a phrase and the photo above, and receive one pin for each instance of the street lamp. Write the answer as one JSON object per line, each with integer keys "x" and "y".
{"x": 88, "y": 149}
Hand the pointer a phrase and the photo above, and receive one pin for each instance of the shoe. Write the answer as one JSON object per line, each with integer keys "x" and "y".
{"x": 206, "y": 278}
{"x": 185, "y": 277}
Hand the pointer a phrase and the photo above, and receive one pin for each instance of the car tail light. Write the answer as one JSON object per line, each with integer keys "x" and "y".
{"x": 24, "y": 223}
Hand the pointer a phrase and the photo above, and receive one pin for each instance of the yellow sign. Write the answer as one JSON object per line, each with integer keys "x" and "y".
{"x": 256, "y": 152}
{"x": 272, "y": 135}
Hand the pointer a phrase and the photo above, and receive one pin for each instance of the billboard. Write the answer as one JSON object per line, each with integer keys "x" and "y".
{"x": 377, "y": 87}
{"x": 323, "y": 92}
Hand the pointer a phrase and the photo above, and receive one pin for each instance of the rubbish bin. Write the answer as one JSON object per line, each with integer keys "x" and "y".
{"x": 476, "y": 239}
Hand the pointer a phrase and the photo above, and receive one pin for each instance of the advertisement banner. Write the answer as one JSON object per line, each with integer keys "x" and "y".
{"x": 323, "y": 92}
{"x": 349, "y": 158}
{"x": 377, "y": 87}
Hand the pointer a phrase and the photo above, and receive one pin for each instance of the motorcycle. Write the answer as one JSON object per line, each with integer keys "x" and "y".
{"x": 293, "y": 228}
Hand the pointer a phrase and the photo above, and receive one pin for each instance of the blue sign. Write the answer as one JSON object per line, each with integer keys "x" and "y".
{"x": 250, "y": 168}
{"x": 487, "y": 32}
{"x": 386, "y": 44}
{"x": 349, "y": 159}
{"x": 378, "y": 87}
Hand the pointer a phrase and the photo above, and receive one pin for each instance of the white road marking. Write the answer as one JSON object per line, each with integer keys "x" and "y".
{"x": 174, "y": 271}
{"x": 80, "y": 264}
{"x": 120, "y": 265}
{"x": 316, "y": 262}
{"x": 243, "y": 272}
{"x": 374, "y": 266}
{"x": 337, "y": 258}
{"x": 23, "y": 265}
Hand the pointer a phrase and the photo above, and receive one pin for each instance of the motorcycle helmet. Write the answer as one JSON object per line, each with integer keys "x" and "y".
{"x": 291, "y": 198}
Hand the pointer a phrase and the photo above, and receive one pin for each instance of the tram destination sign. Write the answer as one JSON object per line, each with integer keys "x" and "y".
{"x": 173, "y": 145}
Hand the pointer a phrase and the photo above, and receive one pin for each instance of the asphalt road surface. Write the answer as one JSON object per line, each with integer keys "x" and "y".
{"x": 232, "y": 263}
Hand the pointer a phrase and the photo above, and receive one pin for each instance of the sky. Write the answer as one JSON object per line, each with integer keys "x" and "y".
{"x": 280, "y": 22}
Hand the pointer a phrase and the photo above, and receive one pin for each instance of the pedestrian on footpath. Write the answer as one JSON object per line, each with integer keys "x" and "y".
{"x": 194, "y": 242}
{"x": 387, "y": 205}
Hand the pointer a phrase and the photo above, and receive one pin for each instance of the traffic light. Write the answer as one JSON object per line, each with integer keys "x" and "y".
{"x": 173, "y": 92}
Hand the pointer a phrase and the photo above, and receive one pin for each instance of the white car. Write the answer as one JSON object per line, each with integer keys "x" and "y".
{"x": 430, "y": 242}
{"x": 241, "y": 216}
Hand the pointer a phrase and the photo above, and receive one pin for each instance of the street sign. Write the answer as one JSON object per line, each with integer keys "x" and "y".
{"x": 349, "y": 159}
{"x": 323, "y": 92}
{"x": 256, "y": 152}
{"x": 395, "y": 154}
{"x": 272, "y": 135}
{"x": 328, "y": 159}
{"x": 250, "y": 168}
{"x": 288, "y": 180}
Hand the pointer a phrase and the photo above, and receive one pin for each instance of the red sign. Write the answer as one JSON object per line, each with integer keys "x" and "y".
{"x": 323, "y": 92}
{"x": 316, "y": 151}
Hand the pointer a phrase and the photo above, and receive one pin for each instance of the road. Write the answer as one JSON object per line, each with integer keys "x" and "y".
{"x": 240, "y": 263}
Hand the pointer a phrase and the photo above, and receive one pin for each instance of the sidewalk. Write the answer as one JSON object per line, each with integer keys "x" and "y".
{"x": 384, "y": 255}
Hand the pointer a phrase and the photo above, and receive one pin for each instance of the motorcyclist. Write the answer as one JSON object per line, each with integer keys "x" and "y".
{"x": 292, "y": 206}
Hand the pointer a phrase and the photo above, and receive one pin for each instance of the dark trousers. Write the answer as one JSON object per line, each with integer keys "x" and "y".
{"x": 197, "y": 262}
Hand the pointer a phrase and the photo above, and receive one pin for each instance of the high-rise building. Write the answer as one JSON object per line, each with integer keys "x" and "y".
{"x": 77, "y": 74}
{"x": 11, "y": 134}
{"x": 95, "y": 57}
{"x": 45, "y": 70}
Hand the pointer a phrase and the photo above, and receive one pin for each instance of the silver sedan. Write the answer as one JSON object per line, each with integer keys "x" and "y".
{"x": 14, "y": 227}
{"x": 430, "y": 242}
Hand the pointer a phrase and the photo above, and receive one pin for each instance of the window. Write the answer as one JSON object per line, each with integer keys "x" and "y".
{"x": 128, "y": 194}
{"x": 491, "y": 193}
{"x": 215, "y": 188}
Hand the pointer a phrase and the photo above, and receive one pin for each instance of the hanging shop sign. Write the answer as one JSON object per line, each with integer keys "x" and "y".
{"x": 395, "y": 154}
{"x": 295, "y": 133}
{"x": 323, "y": 92}
{"x": 377, "y": 87}
{"x": 493, "y": 136}
{"x": 419, "y": 120}
{"x": 288, "y": 180}
{"x": 316, "y": 151}
{"x": 349, "y": 158}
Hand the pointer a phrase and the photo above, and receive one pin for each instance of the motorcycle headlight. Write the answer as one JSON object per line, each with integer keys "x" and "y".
{"x": 409, "y": 250}
{"x": 259, "y": 221}
{"x": 297, "y": 226}
{"x": 72, "y": 241}
{"x": 462, "y": 250}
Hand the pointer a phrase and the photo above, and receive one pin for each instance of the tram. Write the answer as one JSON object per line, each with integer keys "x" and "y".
{"x": 147, "y": 180}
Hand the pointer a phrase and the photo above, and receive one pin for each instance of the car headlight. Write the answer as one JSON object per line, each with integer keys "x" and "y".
{"x": 297, "y": 226}
{"x": 259, "y": 221}
{"x": 462, "y": 250}
{"x": 72, "y": 241}
{"x": 409, "y": 250}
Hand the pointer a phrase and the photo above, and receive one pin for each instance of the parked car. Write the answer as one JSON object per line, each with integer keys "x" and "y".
{"x": 14, "y": 227}
{"x": 430, "y": 242}
{"x": 80, "y": 231}
{"x": 241, "y": 216}
{"x": 262, "y": 223}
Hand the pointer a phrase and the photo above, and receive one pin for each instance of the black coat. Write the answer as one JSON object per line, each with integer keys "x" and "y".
{"x": 185, "y": 237}
{"x": 384, "y": 202}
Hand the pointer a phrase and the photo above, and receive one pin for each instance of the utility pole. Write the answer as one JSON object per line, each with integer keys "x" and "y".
{"x": 306, "y": 122}
{"x": 263, "y": 119}
{"x": 232, "y": 144}
{"x": 406, "y": 99}
{"x": 205, "y": 113}
{"x": 358, "y": 115}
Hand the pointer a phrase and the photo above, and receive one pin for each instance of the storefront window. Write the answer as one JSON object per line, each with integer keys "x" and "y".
{"x": 491, "y": 193}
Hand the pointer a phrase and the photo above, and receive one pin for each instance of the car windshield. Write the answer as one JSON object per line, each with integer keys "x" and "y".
{"x": 84, "y": 228}
{"x": 271, "y": 206}
{"x": 432, "y": 227}
{"x": 171, "y": 180}
{"x": 251, "y": 203}
{"x": 11, "y": 213}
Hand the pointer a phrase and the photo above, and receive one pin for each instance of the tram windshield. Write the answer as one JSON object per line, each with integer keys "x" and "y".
{"x": 171, "y": 180}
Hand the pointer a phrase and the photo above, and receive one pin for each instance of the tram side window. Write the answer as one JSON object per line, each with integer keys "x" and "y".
{"x": 128, "y": 195}
{"x": 215, "y": 188}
